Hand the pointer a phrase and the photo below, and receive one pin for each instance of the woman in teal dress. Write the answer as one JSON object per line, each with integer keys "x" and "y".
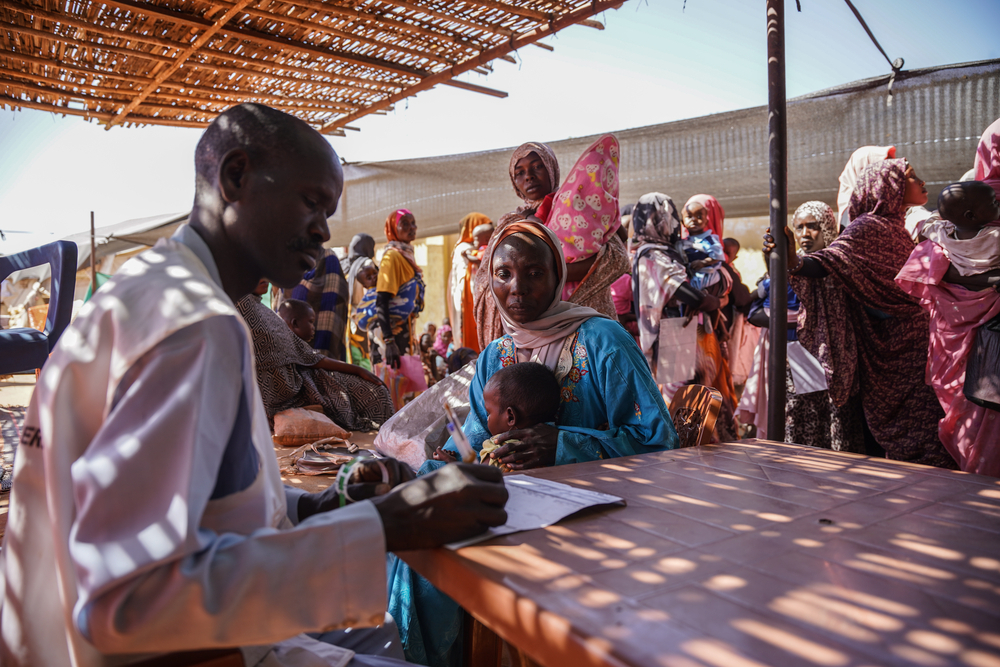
{"x": 610, "y": 406}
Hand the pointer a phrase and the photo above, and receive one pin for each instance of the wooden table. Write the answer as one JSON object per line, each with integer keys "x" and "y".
{"x": 746, "y": 554}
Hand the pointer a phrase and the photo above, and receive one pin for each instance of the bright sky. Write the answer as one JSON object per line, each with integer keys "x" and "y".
{"x": 656, "y": 61}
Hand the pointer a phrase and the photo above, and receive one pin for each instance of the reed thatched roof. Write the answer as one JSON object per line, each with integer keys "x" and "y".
{"x": 181, "y": 62}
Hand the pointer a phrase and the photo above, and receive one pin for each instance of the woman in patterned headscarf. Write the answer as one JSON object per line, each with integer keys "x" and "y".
{"x": 811, "y": 418}
{"x": 661, "y": 290}
{"x": 871, "y": 336}
{"x": 534, "y": 174}
{"x": 859, "y": 159}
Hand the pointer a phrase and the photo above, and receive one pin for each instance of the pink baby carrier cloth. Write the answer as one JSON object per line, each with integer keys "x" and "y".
{"x": 584, "y": 211}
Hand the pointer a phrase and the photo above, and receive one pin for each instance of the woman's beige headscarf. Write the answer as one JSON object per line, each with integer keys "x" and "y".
{"x": 548, "y": 158}
{"x": 860, "y": 159}
{"x": 541, "y": 340}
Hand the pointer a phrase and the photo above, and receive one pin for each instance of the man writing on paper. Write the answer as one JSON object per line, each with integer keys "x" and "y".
{"x": 147, "y": 514}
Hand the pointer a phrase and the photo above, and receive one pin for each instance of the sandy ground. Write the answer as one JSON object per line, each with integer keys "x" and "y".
{"x": 16, "y": 392}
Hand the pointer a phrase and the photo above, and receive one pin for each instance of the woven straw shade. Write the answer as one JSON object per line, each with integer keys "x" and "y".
{"x": 182, "y": 62}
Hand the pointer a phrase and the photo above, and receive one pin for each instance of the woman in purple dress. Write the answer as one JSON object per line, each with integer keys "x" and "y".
{"x": 871, "y": 336}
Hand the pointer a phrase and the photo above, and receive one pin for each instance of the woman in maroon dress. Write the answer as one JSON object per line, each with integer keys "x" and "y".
{"x": 871, "y": 336}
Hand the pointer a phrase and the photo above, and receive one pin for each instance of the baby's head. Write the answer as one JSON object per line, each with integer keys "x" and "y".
{"x": 695, "y": 217}
{"x": 969, "y": 205}
{"x": 300, "y": 318}
{"x": 731, "y": 247}
{"x": 482, "y": 234}
{"x": 520, "y": 396}
{"x": 368, "y": 275}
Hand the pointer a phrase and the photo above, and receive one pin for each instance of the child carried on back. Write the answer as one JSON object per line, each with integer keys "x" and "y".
{"x": 516, "y": 397}
{"x": 966, "y": 226}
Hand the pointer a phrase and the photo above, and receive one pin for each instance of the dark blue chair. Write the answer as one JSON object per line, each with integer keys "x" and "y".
{"x": 27, "y": 349}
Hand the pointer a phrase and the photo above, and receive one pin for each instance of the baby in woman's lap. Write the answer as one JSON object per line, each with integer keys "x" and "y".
{"x": 516, "y": 397}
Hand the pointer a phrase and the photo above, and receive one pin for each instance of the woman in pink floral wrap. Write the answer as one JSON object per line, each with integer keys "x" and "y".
{"x": 534, "y": 173}
{"x": 871, "y": 336}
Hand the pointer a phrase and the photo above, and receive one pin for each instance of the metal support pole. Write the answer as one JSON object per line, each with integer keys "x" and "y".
{"x": 93, "y": 258}
{"x": 777, "y": 155}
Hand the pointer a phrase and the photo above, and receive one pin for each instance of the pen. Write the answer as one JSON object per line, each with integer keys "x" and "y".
{"x": 465, "y": 450}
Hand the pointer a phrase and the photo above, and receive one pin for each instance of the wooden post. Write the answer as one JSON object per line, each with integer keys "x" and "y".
{"x": 93, "y": 258}
{"x": 778, "y": 205}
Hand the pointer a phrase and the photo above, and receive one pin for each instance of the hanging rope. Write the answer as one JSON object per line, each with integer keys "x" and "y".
{"x": 896, "y": 64}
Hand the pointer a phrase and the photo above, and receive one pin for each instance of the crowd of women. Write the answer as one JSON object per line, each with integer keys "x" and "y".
{"x": 888, "y": 304}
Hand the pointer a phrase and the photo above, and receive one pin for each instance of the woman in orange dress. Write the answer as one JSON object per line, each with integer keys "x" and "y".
{"x": 460, "y": 284}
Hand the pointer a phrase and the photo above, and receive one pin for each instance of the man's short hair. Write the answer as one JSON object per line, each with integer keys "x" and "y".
{"x": 293, "y": 309}
{"x": 264, "y": 133}
{"x": 530, "y": 388}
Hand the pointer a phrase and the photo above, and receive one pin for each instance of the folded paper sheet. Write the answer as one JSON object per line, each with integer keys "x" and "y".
{"x": 537, "y": 503}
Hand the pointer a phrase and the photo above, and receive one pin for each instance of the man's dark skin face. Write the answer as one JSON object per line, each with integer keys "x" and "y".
{"x": 271, "y": 220}
{"x": 524, "y": 277}
{"x": 532, "y": 178}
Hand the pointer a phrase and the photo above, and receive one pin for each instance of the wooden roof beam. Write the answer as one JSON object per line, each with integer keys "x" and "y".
{"x": 495, "y": 29}
{"x": 250, "y": 73}
{"x": 103, "y": 116}
{"x": 179, "y": 61}
{"x": 510, "y": 9}
{"x": 340, "y": 34}
{"x": 273, "y": 100}
{"x": 135, "y": 53}
{"x": 32, "y": 13}
{"x": 581, "y": 13}
{"x": 465, "y": 85}
{"x": 364, "y": 15}
{"x": 110, "y": 94}
{"x": 169, "y": 44}
{"x": 264, "y": 38}
{"x": 41, "y": 106}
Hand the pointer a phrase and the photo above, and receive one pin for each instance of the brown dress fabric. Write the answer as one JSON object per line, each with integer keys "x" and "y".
{"x": 287, "y": 377}
{"x": 871, "y": 336}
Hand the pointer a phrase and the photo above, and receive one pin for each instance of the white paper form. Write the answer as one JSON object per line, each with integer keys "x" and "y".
{"x": 677, "y": 351}
{"x": 537, "y": 503}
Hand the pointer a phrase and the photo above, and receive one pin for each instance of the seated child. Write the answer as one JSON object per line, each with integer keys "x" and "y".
{"x": 964, "y": 227}
{"x": 702, "y": 247}
{"x": 481, "y": 238}
{"x": 300, "y": 318}
{"x": 518, "y": 396}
